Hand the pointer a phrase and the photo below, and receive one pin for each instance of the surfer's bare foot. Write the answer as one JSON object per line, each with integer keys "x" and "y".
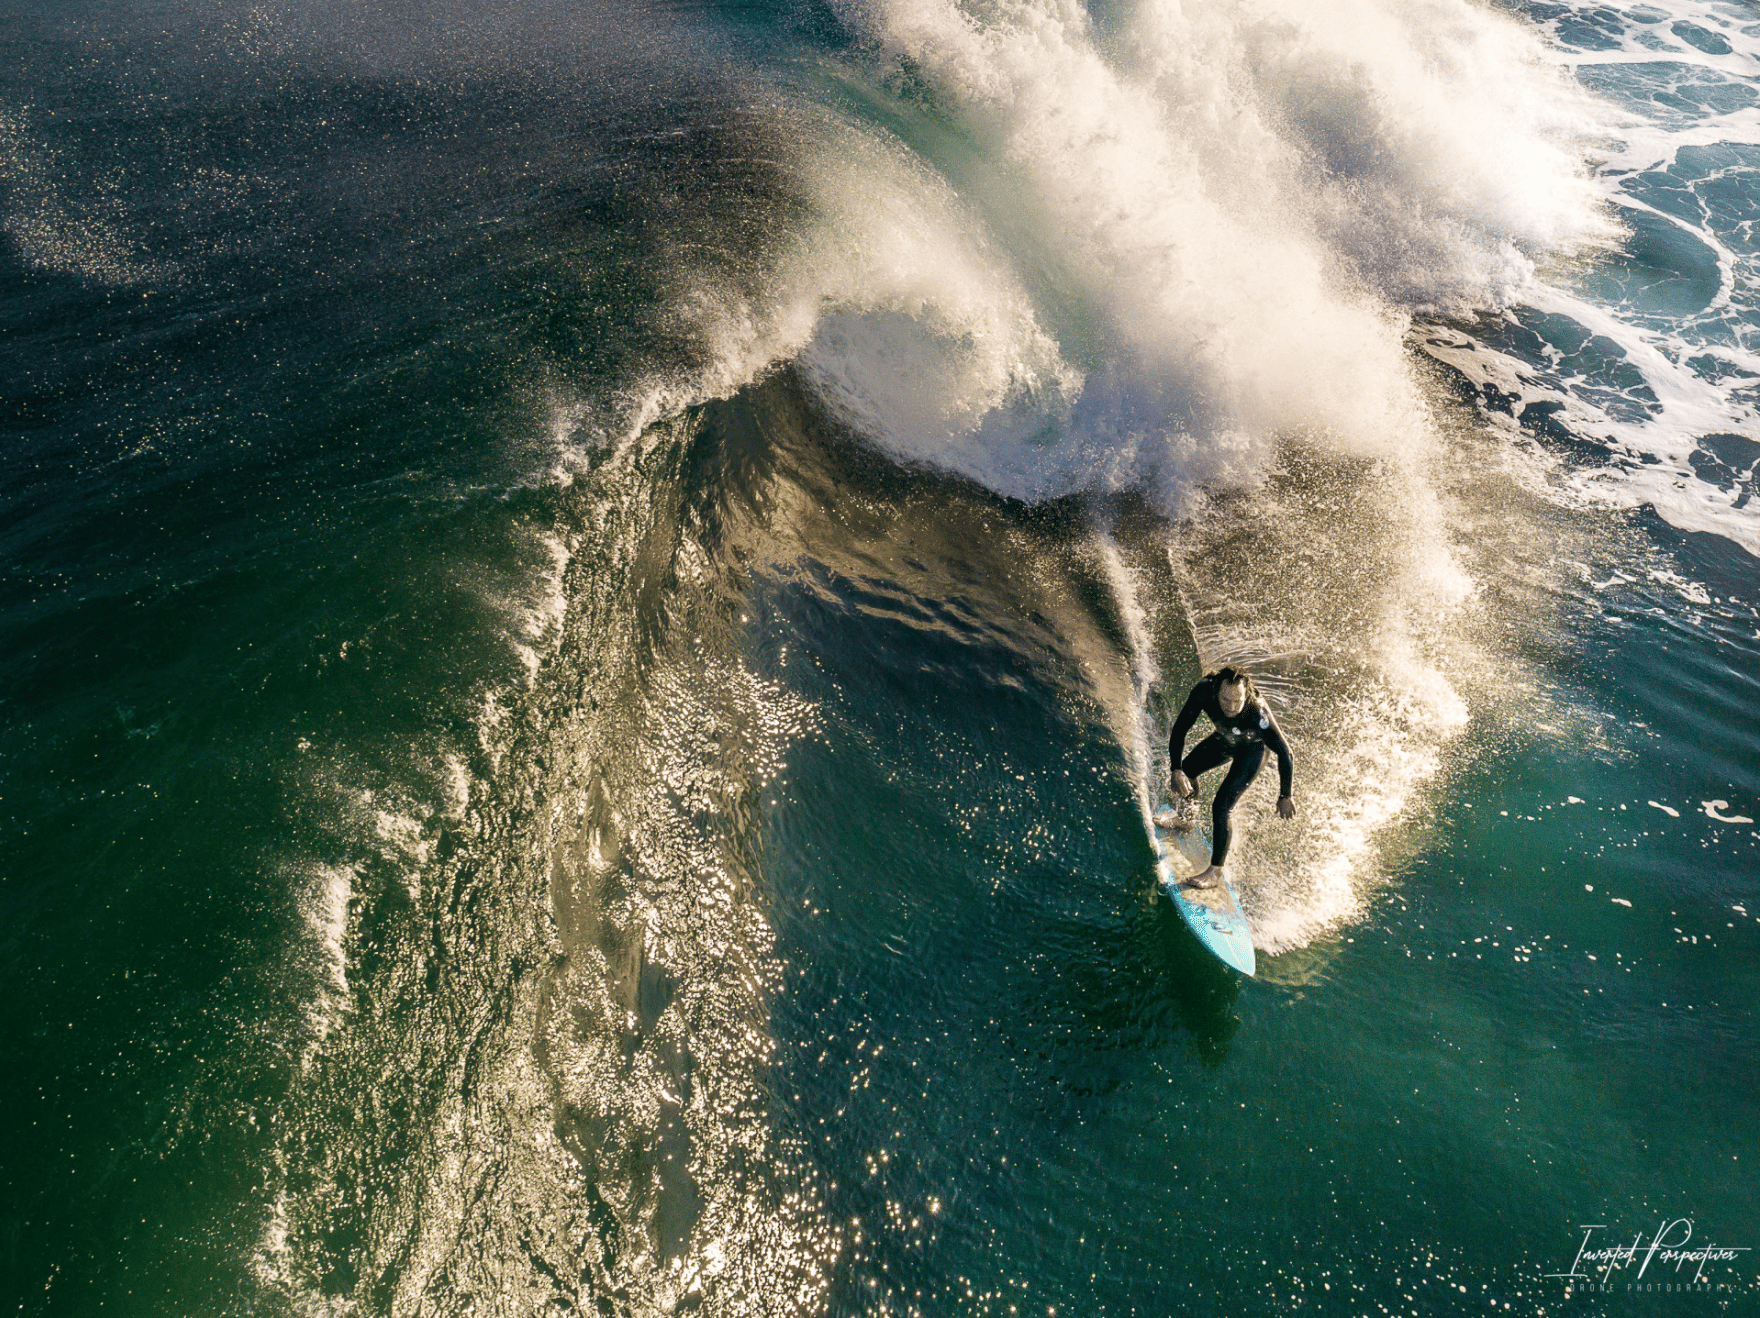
{"x": 1209, "y": 878}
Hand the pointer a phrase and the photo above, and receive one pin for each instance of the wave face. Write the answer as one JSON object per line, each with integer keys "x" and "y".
{"x": 598, "y": 592}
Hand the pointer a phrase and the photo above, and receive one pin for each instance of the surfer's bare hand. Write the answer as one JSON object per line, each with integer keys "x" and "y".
{"x": 1286, "y": 808}
{"x": 1182, "y": 784}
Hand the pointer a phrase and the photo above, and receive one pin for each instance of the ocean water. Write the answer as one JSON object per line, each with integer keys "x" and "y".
{"x": 590, "y": 597}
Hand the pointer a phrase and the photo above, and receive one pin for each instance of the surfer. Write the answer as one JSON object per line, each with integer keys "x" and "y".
{"x": 1244, "y": 728}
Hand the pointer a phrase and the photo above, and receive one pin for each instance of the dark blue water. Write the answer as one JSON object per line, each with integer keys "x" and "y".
{"x": 591, "y": 599}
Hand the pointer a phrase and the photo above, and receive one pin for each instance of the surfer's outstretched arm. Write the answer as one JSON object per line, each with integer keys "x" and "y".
{"x": 1286, "y": 766}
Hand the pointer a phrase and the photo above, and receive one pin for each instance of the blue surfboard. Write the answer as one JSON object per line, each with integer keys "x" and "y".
{"x": 1213, "y": 914}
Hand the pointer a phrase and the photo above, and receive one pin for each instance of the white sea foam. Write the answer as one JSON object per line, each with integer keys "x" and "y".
{"x": 1135, "y": 729}
{"x": 455, "y": 778}
{"x": 1241, "y": 204}
{"x": 272, "y": 1262}
{"x": 1209, "y": 228}
{"x": 905, "y": 318}
{"x": 1675, "y": 355}
{"x": 1247, "y": 200}
{"x": 323, "y": 904}
{"x": 1219, "y": 217}
{"x": 545, "y": 602}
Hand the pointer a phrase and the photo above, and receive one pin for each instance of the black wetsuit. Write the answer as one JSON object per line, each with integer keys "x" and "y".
{"x": 1242, "y": 739}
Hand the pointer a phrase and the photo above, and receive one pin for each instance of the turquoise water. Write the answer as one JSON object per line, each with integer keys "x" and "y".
{"x": 592, "y": 597}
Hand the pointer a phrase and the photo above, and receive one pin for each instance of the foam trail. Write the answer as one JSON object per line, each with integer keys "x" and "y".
{"x": 1369, "y": 719}
{"x": 324, "y": 906}
{"x": 1135, "y": 732}
{"x": 1338, "y": 588}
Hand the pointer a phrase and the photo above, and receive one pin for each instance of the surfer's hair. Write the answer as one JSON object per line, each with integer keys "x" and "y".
{"x": 1228, "y": 675}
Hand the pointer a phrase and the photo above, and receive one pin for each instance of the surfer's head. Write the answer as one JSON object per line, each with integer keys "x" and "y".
{"x": 1234, "y": 690}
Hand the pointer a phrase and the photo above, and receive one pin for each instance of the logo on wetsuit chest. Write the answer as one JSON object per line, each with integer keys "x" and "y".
{"x": 1235, "y": 736}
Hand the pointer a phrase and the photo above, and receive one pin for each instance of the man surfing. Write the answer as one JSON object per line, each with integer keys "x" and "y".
{"x": 1244, "y": 728}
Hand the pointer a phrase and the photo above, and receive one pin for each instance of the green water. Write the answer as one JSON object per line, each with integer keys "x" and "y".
{"x": 515, "y": 801}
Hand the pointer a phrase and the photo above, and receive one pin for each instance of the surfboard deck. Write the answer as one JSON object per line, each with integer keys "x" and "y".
{"x": 1213, "y": 914}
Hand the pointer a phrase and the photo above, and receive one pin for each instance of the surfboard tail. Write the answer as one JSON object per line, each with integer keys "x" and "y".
{"x": 1213, "y": 914}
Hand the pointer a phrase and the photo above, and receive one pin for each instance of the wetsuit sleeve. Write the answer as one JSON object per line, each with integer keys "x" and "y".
{"x": 1176, "y": 741}
{"x": 1286, "y": 767}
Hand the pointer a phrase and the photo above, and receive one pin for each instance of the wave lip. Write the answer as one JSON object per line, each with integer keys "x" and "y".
{"x": 1063, "y": 254}
{"x": 1251, "y": 201}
